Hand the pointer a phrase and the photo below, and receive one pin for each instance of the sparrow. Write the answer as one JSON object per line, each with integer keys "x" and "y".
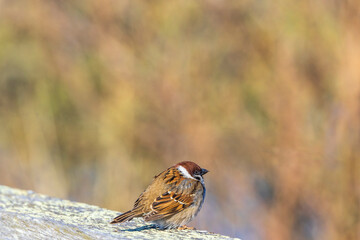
{"x": 173, "y": 199}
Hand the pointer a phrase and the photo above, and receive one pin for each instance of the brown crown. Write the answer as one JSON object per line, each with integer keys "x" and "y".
{"x": 191, "y": 167}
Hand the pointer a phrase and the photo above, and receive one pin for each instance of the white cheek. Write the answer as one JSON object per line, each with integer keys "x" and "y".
{"x": 184, "y": 172}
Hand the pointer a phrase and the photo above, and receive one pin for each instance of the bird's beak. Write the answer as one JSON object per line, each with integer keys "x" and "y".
{"x": 204, "y": 171}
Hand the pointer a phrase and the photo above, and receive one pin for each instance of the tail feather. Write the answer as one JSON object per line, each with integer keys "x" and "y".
{"x": 127, "y": 216}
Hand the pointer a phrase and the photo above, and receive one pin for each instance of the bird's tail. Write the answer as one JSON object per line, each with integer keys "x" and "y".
{"x": 127, "y": 216}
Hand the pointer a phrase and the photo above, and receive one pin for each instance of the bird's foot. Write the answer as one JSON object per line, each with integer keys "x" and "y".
{"x": 186, "y": 228}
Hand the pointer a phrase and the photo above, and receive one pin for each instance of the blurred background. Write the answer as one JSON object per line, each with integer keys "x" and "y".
{"x": 97, "y": 97}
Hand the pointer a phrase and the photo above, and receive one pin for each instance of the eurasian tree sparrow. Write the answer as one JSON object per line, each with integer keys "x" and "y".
{"x": 173, "y": 199}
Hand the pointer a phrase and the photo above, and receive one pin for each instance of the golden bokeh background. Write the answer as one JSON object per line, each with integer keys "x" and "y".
{"x": 96, "y": 97}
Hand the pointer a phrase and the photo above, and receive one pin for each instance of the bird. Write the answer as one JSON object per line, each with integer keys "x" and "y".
{"x": 173, "y": 199}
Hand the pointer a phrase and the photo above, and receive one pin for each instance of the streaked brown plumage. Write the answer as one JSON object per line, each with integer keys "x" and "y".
{"x": 173, "y": 198}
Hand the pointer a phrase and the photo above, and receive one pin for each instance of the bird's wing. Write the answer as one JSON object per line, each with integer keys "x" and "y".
{"x": 138, "y": 201}
{"x": 168, "y": 204}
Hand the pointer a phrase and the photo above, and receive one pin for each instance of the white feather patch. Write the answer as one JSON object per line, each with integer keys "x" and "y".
{"x": 184, "y": 172}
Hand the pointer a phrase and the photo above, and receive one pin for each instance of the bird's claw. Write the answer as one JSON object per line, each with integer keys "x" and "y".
{"x": 186, "y": 228}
